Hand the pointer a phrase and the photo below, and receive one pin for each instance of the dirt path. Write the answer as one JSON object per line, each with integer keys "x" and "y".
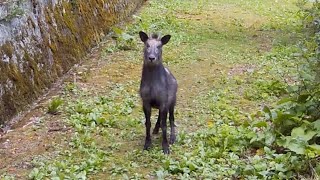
{"x": 99, "y": 133}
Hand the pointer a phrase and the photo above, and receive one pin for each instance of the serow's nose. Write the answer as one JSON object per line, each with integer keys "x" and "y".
{"x": 151, "y": 58}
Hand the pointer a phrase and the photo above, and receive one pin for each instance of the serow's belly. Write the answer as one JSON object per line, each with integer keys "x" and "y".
{"x": 155, "y": 104}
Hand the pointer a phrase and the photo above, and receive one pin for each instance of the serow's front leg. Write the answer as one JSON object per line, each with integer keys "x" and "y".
{"x": 163, "y": 118}
{"x": 147, "y": 114}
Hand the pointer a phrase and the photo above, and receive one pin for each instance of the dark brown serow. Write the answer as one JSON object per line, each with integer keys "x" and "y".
{"x": 158, "y": 89}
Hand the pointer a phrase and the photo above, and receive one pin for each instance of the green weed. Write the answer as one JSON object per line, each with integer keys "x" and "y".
{"x": 7, "y": 177}
{"x": 54, "y": 105}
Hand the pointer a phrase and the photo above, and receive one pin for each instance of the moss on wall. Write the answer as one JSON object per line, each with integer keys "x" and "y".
{"x": 53, "y": 38}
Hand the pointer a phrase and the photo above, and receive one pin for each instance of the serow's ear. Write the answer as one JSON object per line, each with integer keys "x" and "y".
{"x": 143, "y": 36}
{"x": 165, "y": 39}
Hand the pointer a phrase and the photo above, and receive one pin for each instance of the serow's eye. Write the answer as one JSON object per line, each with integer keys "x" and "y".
{"x": 148, "y": 45}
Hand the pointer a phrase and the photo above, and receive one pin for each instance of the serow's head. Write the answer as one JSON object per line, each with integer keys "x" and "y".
{"x": 153, "y": 47}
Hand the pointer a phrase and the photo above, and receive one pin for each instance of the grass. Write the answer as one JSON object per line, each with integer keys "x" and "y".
{"x": 231, "y": 58}
{"x": 54, "y": 105}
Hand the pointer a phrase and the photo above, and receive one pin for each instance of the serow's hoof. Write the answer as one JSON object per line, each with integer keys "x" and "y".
{"x": 166, "y": 151}
{"x": 172, "y": 139}
{"x": 147, "y": 145}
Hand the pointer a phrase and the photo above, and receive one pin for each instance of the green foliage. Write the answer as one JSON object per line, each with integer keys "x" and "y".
{"x": 92, "y": 120}
{"x": 71, "y": 168}
{"x": 265, "y": 88}
{"x": 124, "y": 41}
{"x": 70, "y": 87}
{"x": 54, "y": 105}
{"x": 7, "y": 177}
{"x": 294, "y": 121}
{"x": 102, "y": 111}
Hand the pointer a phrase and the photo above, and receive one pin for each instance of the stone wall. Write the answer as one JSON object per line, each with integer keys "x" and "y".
{"x": 40, "y": 40}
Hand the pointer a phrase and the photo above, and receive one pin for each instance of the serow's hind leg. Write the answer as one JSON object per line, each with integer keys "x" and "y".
{"x": 163, "y": 117}
{"x": 172, "y": 125}
{"x": 157, "y": 126}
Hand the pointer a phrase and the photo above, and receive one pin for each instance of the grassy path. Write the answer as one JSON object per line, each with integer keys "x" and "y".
{"x": 221, "y": 54}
